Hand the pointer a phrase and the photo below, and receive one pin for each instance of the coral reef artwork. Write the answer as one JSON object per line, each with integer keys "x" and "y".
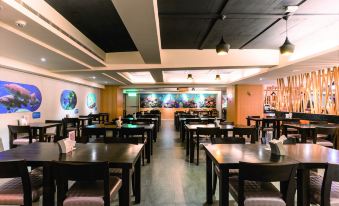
{"x": 68, "y": 99}
{"x": 91, "y": 101}
{"x": 162, "y": 100}
{"x": 18, "y": 97}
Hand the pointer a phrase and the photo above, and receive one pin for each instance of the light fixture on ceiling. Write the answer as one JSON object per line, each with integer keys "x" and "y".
{"x": 291, "y": 9}
{"x": 94, "y": 77}
{"x": 189, "y": 77}
{"x": 43, "y": 59}
{"x": 260, "y": 79}
{"x": 222, "y": 48}
{"x": 287, "y": 48}
{"x": 217, "y": 77}
{"x": 20, "y": 23}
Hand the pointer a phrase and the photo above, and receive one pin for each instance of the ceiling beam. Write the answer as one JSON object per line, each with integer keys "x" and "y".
{"x": 157, "y": 75}
{"x": 141, "y": 21}
{"x": 268, "y": 27}
{"x": 217, "y": 23}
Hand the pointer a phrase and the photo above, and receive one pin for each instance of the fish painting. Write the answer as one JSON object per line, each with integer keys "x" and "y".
{"x": 17, "y": 97}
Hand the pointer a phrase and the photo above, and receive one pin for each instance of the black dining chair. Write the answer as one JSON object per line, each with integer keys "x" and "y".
{"x": 250, "y": 133}
{"x": 268, "y": 125}
{"x": 98, "y": 133}
{"x": 93, "y": 184}
{"x": 325, "y": 136}
{"x": 134, "y": 133}
{"x": 254, "y": 185}
{"x": 20, "y": 135}
{"x": 23, "y": 188}
{"x": 324, "y": 191}
{"x": 71, "y": 124}
{"x": 54, "y": 135}
{"x": 209, "y": 134}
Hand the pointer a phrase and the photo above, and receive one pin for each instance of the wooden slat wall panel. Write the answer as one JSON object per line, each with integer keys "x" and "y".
{"x": 311, "y": 92}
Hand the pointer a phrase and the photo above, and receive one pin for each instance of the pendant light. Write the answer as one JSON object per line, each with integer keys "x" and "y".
{"x": 189, "y": 77}
{"x": 222, "y": 48}
{"x": 287, "y": 48}
{"x": 217, "y": 77}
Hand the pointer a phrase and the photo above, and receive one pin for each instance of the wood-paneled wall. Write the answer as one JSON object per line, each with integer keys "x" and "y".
{"x": 246, "y": 100}
{"x": 111, "y": 101}
{"x": 316, "y": 92}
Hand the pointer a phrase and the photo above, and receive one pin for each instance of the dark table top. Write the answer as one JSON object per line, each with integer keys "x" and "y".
{"x": 43, "y": 125}
{"x": 222, "y": 127}
{"x": 141, "y": 118}
{"x": 118, "y": 155}
{"x": 229, "y": 155}
{"x": 310, "y": 126}
{"x": 111, "y": 126}
{"x": 85, "y": 118}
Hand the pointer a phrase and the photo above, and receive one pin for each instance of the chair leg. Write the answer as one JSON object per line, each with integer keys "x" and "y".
{"x": 143, "y": 157}
{"x": 133, "y": 181}
{"x": 198, "y": 153}
{"x": 215, "y": 179}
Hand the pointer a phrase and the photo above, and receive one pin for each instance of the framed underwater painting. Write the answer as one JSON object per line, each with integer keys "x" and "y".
{"x": 68, "y": 99}
{"x": 18, "y": 97}
{"x": 91, "y": 101}
{"x": 173, "y": 100}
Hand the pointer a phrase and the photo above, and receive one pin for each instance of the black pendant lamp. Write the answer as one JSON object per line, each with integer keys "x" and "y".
{"x": 222, "y": 48}
{"x": 287, "y": 48}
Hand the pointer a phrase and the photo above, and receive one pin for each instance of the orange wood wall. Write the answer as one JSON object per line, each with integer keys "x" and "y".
{"x": 244, "y": 100}
{"x": 111, "y": 101}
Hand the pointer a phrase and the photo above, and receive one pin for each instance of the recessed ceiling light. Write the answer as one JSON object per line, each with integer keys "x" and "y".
{"x": 260, "y": 79}
{"x": 42, "y": 59}
{"x": 105, "y": 82}
{"x": 291, "y": 9}
{"x": 93, "y": 77}
{"x": 296, "y": 70}
{"x": 20, "y": 23}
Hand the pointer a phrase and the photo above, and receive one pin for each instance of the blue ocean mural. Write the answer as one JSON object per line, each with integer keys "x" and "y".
{"x": 91, "y": 101}
{"x": 163, "y": 100}
{"x": 68, "y": 99}
{"x": 17, "y": 97}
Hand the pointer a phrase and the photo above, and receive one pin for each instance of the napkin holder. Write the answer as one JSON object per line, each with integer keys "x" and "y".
{"x": 118, "y": 123}
{"x": 66, "y": 145}
{"x": 277, "y": 148}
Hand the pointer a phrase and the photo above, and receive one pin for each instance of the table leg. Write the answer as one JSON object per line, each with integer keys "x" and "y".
{"x": 148, "y": 148}
{"x": 125, "y": 190}
{"x": 303, "y": 134}
{"x": 41, "y": 134}
{"x": 209, "y": 194}
{"x": 191, "y": 146}
{"x": 248, "y": 122}
{"x": 224, "y": 188}
{"x": 151, "y": 134}
{"x": 137, "y": 184}
{"x": 57, "y": 138}
{"x": 48, "y": 185}
{"x": 278, "y": 129}
{"x": 303, "y": 187}
{"x": 187, "y": 142}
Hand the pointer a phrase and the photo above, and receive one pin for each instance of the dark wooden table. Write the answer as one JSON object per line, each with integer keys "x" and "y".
{"x": 40, "y": 128}
{"x": 191, "y": 129}
{"x": 125, "y": 156}
{"x": 149, "y": 128}
{"x": 307, "y": 130}
{"x": 227, "y": 156}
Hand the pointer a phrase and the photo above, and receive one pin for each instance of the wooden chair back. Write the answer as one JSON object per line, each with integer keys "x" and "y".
{"x": 18, "y": 168}
{"x": 15, "y": 130}
{"x": 78, "y": 171}
{"x": 283, "y": 173}
{"x": 331, "y": 174}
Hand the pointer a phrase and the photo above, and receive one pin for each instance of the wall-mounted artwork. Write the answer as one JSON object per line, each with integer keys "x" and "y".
{"x": 91, "y": 101}
{"x": 178, "y": 100}
{"x": 68, "y": 99}
{"x": 17, "y": 97}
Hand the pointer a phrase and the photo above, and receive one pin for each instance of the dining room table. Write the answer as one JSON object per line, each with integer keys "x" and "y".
{"x": 306, "y": 130}
{"x": 124, "y": 156}
{"x": 192, "y": 128}
{"x": 228, "y": 156}
{"x": 39, "y": 129}
{"x": 149, "y": 128}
